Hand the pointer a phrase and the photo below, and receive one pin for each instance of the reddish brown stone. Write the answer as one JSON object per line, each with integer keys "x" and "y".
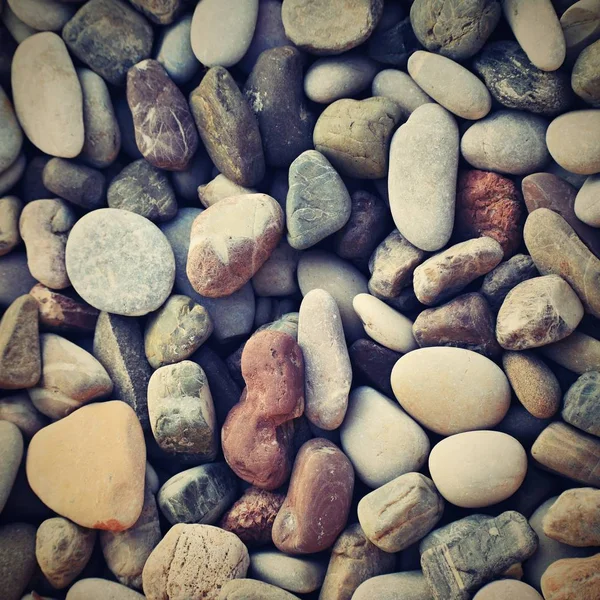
{"x": 572, "y": 579}
{"x": 251, "y": 517}
{"x": 317, "y": 504}
{"x": 489, "y": 204}
{"x": 258, "y": 433}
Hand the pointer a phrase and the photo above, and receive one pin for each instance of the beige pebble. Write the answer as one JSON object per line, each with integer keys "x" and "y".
{"x": 101, "y": 589}
{"x": 587, "y": 201}
{"x": 10, "y": 211}
{"x": 579, "y": 353}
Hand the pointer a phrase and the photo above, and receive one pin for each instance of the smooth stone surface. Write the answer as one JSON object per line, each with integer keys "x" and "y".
{"x": 119, "y": 346}
{"x": 446, "y": 273}
{"x": 199, "y": 170}
{"x": 385, "y": 325}
{"x": 478, "y": 468}
{"x": 401, "y": 88}
{"x": 327, "y": 369}
{"x": 17, "y": 558}
{"x": 507, "y": 588}
{"x": 422, "y": 177}
{"x": 250, "y": 589}
{"x": 198, "y": 495}
{"x": 125, "y": 121}
{"x": 76, "y": 183}
{"x": 277, "y": 276}
{"x": 538, "y": 312}
{"x": 380, "y": 439}
{"x": 573, "y": 140}
{"x": 581, "y": 26}
{"x": 324, "y": 270}
{"x": 10, "y": 211}
{"x": 220, "y": 188}
{"x": 296, "y": 574}
{"x": 373, "y": 363}
{"x": 393, "y": 46}
{"x": 330, "y": 26}
{"x": 401, "y": 512}
{"x": 19, "y": 410}
{"x": 533, "y": 382}
{"x": 578, "y": 353}
{"x": 516, "y": 83}
{"x": 451, "y": 390}
{"x": 110, "y": 37}
{"x": 538, "y": 31}
{"x": 572, "y": 578}
{"x": 162, "y": 12}
{"x": 42, "y": 15}
{"x": 120, "y": 262}
{"x": 15, "y": 277}
{"x": 584, "y": 77}
{"x": 11, "y": 136}
{"x": 556, "y": 249}
{"x": 587, "y": 205}
{"x": 581, "y": 403}
{"x": 500, "y": 280}
{"x": 20, "y": 362}
{"x": 408, "y": 585}
{"x": 71, "y": 377}
{"x": 507, "y": 141}
{"x": 52, "y": 119}
{"x": 11, "y": 446}
{"x": 174, "y": 51}
{"x": 450, "y": 84}
{"x": 96, "y": 455}
{"x": 455, "y": 29}
{"x": 12, "y": 175}
{"x": 101, "y": 589}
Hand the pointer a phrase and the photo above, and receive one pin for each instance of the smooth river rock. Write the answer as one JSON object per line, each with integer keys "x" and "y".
{"x": 407, "y": 585}
{"x": 11, "y": 135}
{"x": 507, "y": 588}
{"x": 581, "y": 403}
{"x": 572, "y": 578}
{"x": 584, "y": 77}
{"x": 401, "y": 88}
{"x": 174, "y": 51}
{"x": 294, "y": 573}
{"x": 500, "y": 280}
{"x": 587, "y": 206}
{"x": 10, "y": 211}
{"x": 11, "y": 446}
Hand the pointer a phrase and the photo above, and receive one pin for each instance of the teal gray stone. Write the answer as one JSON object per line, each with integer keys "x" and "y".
{"x": 582, "y": 403}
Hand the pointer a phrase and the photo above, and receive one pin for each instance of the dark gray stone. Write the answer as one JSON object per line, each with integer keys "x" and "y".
{"x": 110, "y": 37}
{"x": 33, "y": 187}
{"x": 119, "y": 346}
{"x": 274, "y": 90}
{"x": 457, "y": 568}
{"x": 125, "y": 121}
{"x": 452, "y": 532}
{"x": 143, "y": 189}
{"x": 515, "y": 82}
{"x": 394, "y": 45}
{"x": 318, "y": 203}
{"x": 80, "y": 185}
{"x": 198, "y": 495}
{"x": 582, "y": 403}
{"x": 374, "y": 363}
{"x": 521, "y": 424}
{"x": 585, "y": 78}
{"x": 498, "y": 282}
{"x": 15, "y": 277}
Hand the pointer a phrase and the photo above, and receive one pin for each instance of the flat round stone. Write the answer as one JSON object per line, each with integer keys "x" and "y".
{"x": 120, "y": 262}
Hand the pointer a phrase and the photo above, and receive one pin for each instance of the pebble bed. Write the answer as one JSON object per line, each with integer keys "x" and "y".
{"x": 300, "y": 299}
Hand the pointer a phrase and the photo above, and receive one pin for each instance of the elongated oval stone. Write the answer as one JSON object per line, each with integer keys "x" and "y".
{"x": 52, "y": 118}
{"x": 422, "y": 177}
{"x": 11, "y": 136}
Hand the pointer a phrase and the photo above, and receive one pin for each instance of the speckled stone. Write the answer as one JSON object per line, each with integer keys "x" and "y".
{"x": 296, "y": 574}
{"x": 174, "y": 51}
{"x": 584, "y": 77}
{"x": 11, "y": 136}
{"x": 94, "y": 588}
{"x": 394, "y": 45}
{"x": 401, "y": 88}
{"x": 76, "y": 183}
{"x": 374, "y": 363}
{"x": 581, "y": 403}
{"x": 110, "y": 37}
{"x": 10, "y": 211}
{"x": 17, "y": 558}
{"x": 120, "y": 262}
{"x": 408, "y": 585}
{"x": 162, "y": 12}
{"x": 500, "y": 280}
{"x": 572, "y": 578}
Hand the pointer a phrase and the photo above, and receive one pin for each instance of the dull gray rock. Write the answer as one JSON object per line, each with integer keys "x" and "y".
{"x": 582, "y": 403}
{"x": 11, "y": 136}
{"x": 162, "y": 12}
{"x": 408, "y": 585}
{"x": 17, "y": 558}
{"x": 15, "y": 277}
{"x": 11, "y": 445}
{"x": 174, "y": 51}
{"x": 42, "y": 15}
{"x": 401, "y": 88}
{"x": 499, "y": 281}
{"x": 78, "y": 184}
{"x": 10, "y": 211}
{"x": 277, "y": 276}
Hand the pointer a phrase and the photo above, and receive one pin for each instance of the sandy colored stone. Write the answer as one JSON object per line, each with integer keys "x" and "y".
{"x": 19, "y": 410}
{"x": 220, "y": 188}
{"x": 52, "y": 118}
{"x": 581, "y": 26}
{"x": 587, "y": 206}
{"x": 96, "y": 455}
{"x": 451, "y": 390}
{"x": 17, "y": 558}
{"x": 584, "y": 77}
{"x": 20, "y": 362}
{"x": 507, "y": 588}
{"x": 250, "y": 589}
{"x": 572, "y": 579}
{"x": 444, "y": 274}
{"x": 62, "y": 550}
{"x": 10, "y": 211}
{"x": 194, "y": 561}
{"x": 581, "y": 403}
{"x": 11, "y": 136}
{"x": 408, "y": 585}
{"x": 578, "y": 353}
{"x": 478, "y": 468}
{"x": 562, "y": 449}
{"x": 320, "y": 492}
{"x": 11, "y": 447}
{"x": 101, "y": 589}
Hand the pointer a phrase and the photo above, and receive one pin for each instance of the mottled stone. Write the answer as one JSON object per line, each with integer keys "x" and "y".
{"x": 587, "y": 207}
{"x": 317, "y": 504}
{"x": 174, "y": 51}
{"x": 556, "y": 249}
{"x": 330, "y": 26}
{"x": 582, "y": 403}
{"x": 533, "y": 382}
{"x": 374, "y": 363}
{"x": 96, "y": 455}
{"x": 408, "y": 585}
{"x": 455, "y": 29}
{"x": 119, "y": 346}
{"x": 257, "y": 435}
{"x": 15, "y": 277}
{"x": 230, "y": 241}
{"x": 393, "y": 46}
{"x": 422, "y": 178}
{"x": 567, "y": 451}
{"x": 327, "y": 369}
{"x": 78, "y": 184}
{"x": 20, "y": 362}
{"x": 355, "y": 135}
{"x": 19, "y": 410}
{"x": 126, "y": 552}
{"x": 584, "y": 77}
{"x": 120, "y": 262}
{"x": 198, "y": 495}
{"x": 354, "y": 559}
{"x": 52, "y": 118}
{"x": 62, "y": 550}
{"x": 478, "y": 468}
{"x": 500, "y": 280}
{"x": 451, "y": 390}
{"x": 228, "y": 128}
{"x": 516, "y": 83}
{"x": 507, "y": 141}
{"x": 17, "y": 558}
{"x": 507, "y": 588}
{"x": 11, "y": 446}
{"x": 465, "y": 322}
{"x": 10, "y": 211}
{"x": 450, "y": 84}
{"x": 250, "y": 589}
{"x": 297, "y": 574}
{"x": 538, "y": 312}
{"x": 274, "y": 92}
{"x": 573, "y": 140}
{"x": 162, "y": 12}
{"x": 101, "y": 589}
{"x": 11, "y": 136}
{"x": 143, "y": 189}
{"x": 110, "y": 37}
{"x": 251, "y": 517}
{"x": 572, "y": 579}
{"x": 446, "y": 273}
{"x": 401, "y": 88}
{"x": 194, "y": 561}
{"x": 181, "y": 410}
{"x": 220, "y": 188}
{"x": 401, "y": 512}
{"x": 459, "y": 567}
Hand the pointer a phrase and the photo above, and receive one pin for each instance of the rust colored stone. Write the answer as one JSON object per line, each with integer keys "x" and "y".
{"x": 489, "y": 204}
{"x": 258, "y": 433}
